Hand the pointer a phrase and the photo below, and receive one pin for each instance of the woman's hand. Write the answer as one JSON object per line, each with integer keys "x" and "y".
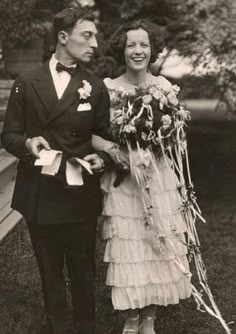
{"x": 121, "y": 158}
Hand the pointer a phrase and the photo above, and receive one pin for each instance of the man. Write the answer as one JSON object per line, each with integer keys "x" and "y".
{"x": 58, "y": 107}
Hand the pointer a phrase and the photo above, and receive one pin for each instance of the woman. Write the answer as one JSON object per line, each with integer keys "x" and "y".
{"x": 141, "y": 278}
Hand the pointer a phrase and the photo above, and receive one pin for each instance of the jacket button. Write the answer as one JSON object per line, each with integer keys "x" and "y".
{"x": 74, "y": 133}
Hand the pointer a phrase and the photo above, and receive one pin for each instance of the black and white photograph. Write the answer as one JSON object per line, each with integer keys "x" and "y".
{"x": 117, "y": 167}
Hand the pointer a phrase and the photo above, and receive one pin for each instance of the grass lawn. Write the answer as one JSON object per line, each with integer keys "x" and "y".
{"x": 21, "y": 308}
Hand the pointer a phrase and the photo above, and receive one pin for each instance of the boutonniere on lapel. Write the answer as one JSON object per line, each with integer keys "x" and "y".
{"x": 84, "y": 93}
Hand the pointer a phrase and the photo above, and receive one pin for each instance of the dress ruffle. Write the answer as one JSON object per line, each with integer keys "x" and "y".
{"x": 143, "y": 273}
{"x": 133, "y": 228}
{"x": 134, "y": 251}
{"x": 139, "y": 275}
{"x": 157, "y": 294}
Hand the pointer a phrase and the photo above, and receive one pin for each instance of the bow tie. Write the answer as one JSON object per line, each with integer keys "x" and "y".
{"x": 70, "y": 69}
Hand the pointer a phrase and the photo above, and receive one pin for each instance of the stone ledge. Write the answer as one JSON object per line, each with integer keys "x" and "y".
{"x": 7, "y": 225}
{"x": 6, "y": 84}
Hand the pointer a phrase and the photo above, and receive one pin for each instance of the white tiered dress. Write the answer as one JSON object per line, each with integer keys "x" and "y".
{"x": 140, "y": 276}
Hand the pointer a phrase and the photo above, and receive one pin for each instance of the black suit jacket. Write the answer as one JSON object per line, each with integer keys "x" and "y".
{"x": 34, "y": 110}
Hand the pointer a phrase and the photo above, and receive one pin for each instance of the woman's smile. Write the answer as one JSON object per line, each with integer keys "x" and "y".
{"x": 137, "y": 50}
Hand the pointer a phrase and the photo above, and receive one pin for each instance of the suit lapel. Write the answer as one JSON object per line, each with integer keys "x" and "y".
{"x": 44, "y": 86}
{"x": 69, "y": 96}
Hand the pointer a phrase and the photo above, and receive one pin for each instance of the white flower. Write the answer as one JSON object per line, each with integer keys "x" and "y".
{"x": 129, "y": 128}
{"x": 184, "y": 114}
{"x": 164, "y": 84}
{"x": 157, "y": 94}
{"x": 120, "y": 90}
{"x": 166, "y": 120}
{"x": 131, "y": 92}
{"x": 147, "y": 99}
{"x": 163, "y": 101}
{"x": 149, "y": 124}
{"x": 114, "y": 96}
{"x": 85, "y": 91}
{"x": 172, "y": 99}
{"x": 176, "y": 89}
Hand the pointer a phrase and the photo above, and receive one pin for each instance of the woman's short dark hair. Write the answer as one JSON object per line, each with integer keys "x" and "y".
{"x": 118, "y": 39}
{"x": 67, "y": 19}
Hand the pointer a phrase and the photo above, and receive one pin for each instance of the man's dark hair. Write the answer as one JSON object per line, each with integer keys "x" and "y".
{"x": 67, "y": 19}
{"x": 118, "y": 39}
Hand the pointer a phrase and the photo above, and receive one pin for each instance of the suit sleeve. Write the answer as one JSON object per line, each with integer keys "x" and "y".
{"x": 102, "y": 113}
{"x": 102, "y": 120}
{"x": 13, "y": 134}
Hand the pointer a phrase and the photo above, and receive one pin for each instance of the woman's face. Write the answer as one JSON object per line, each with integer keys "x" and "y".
{"x": 137, "y": 50}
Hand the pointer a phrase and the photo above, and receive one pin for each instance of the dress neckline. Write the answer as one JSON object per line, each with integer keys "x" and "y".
{"x": 112, "y": 84}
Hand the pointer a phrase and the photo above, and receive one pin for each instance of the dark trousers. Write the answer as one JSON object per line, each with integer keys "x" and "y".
{"x": 72, "y": 245}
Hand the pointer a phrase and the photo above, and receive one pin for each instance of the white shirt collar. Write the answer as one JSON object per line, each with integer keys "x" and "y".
{"x": 54, "y": 61}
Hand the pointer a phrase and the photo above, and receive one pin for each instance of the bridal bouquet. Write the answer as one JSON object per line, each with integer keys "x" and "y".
{"x": 148, "y": 116}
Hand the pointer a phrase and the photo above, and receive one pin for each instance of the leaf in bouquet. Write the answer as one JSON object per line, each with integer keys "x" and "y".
{"x": 115, "y": 132}
{"x": 144, "y": 136}
{"x": 157, "y": 115}
{"x": 117, "y": 104}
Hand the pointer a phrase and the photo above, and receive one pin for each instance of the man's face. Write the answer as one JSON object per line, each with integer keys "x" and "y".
{"x": 81, "y": 42}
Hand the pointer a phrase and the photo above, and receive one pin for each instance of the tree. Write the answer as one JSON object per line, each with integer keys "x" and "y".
{"x": 206, "y": 31}
{"x": 21, "y": 21}
{"x": 203, "y": 30}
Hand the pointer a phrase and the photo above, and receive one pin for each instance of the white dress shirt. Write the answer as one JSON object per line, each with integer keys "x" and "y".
{"x": 60, "y": 79}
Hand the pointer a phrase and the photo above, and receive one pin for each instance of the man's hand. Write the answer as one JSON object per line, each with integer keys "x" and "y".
{"x": 96, "y": 163}
{"x": 35, "y": 145}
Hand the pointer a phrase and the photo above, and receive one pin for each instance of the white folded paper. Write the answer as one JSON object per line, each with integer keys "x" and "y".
{"x": 50, "y": 161}
{"x": 74, "y": 168}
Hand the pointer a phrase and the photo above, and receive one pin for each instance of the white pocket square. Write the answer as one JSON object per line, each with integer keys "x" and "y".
{"x": 84, "y": 107}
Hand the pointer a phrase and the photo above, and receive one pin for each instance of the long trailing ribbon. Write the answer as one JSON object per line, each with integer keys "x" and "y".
{"x": 175, "y": 155}
{"x": 191, "y": 212}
